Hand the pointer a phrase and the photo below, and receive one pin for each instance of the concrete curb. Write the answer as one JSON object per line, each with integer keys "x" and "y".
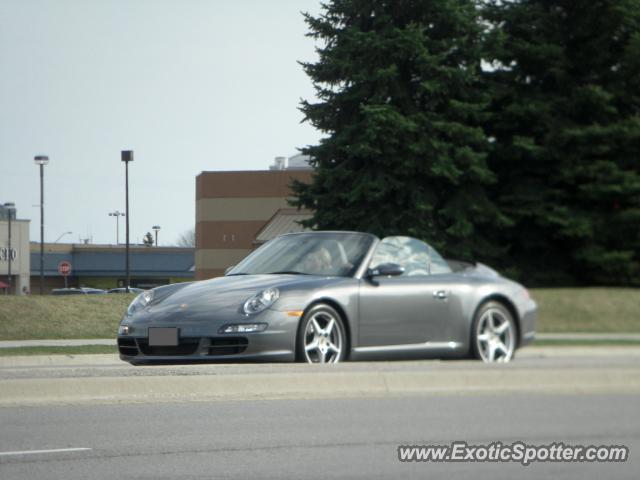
{"x": 104, "y": 359}
{"x": 26, "y": 361}
{"x": 57, "y": 343}
{"x": 314, "y": 384}
{"x": 589, "y": 336}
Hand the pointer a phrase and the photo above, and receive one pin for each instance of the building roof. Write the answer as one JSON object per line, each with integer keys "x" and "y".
{"x": 285, "y": 220}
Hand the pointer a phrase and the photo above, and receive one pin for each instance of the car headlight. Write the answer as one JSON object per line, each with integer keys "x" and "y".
{"x": 261, "y": 301}
{"x": 125, "y": 330}
{"x": 140, "y": 302}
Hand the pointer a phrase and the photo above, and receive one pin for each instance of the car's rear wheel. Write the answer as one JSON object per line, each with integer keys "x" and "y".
{"x": 321, "y": 336}
{"x": 494, "y": 333}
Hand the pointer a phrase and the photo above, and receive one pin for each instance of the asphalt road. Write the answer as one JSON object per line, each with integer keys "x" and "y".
{"x": 320, "y": 434}
{"x": 340, "y": 438}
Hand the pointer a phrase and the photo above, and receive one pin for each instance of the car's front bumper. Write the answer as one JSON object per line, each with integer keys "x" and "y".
{"x": 201, "y": 341}
{"x": 204, "y": 349}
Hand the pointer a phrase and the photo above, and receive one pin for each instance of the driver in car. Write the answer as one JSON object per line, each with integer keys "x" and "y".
{"x": 318, "y": 262}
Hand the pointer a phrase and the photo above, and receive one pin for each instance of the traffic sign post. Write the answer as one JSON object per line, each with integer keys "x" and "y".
{"x": 64, "y": 269}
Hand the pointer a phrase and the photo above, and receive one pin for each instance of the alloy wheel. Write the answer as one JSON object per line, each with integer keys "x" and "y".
{"x": 323, "y": 338}
{"x": 495, "y": 336}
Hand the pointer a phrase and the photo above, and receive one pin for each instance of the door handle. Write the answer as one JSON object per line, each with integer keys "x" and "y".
{"x": 440, "y": 294}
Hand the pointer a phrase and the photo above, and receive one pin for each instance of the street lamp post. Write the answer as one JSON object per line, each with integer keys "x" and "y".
{"x": 156, "y": 228}
{"x": 117, "y": 214}
{"x": 127, "y": 156}
{"x": 41, "y": 160}
{"x": 62, "y": 235}
{"x": 10, "y": 207}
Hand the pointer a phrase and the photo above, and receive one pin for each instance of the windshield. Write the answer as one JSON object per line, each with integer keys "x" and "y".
{"x": 330, "y": 254}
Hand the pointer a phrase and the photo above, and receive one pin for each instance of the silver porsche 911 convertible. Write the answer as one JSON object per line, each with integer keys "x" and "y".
{"x": 326, "y": 297}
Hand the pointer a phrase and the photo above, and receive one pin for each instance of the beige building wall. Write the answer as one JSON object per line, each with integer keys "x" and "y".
{"x": 21, "y": 265}
{"x": 231, "y": 208}
{"x": 238, "y": 209}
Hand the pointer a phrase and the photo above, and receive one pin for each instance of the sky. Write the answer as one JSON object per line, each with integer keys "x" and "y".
{"x": 188, "y": 85}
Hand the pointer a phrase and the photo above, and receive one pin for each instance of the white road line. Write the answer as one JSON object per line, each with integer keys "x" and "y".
{"x": 35, "y": 452}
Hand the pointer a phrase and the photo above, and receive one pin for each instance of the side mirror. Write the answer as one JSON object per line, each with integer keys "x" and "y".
{"x": 386, "y": 270}
{"x": 228, "y": 269}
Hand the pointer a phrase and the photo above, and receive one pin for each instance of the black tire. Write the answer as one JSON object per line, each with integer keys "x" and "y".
{"x": 493, "y": 312}
{"x": 321, "y": 312}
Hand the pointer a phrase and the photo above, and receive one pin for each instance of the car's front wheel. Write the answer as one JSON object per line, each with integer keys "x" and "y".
{"x": 321, "y": 336}
{"x": 494, "y": 333}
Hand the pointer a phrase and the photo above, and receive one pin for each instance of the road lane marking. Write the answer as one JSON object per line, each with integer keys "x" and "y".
{"x": 35, "y": 452}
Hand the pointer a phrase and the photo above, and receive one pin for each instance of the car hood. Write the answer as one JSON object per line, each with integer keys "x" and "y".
{"x": 226, "y": 295}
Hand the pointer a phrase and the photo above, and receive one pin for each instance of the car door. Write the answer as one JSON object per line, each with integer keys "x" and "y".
{"x": 412, "y": 308}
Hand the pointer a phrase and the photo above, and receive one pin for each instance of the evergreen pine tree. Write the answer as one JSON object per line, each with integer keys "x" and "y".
{"x": 147, "y": 240}
{"x": 566, "y": 128}
{"x": 401, "y": 109}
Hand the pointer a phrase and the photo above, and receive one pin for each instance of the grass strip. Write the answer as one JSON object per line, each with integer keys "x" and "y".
{"x": 561, "y": 310}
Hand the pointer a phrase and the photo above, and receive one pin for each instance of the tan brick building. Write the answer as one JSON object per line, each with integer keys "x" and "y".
{"x": 18, "y": 254}
{"x": 234, "y": 212}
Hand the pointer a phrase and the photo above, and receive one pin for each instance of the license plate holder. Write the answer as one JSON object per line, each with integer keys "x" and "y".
{"x": 163, "y": 337}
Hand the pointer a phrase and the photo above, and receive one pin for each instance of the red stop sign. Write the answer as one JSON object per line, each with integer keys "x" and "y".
{"x": 64, "y": 268}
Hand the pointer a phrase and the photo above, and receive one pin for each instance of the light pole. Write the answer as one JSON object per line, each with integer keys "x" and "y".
{"x": 62, "y": 235}
{"x": 10, "y": 207}
{"x": 117, "y": 214}
{"x": 156, "y": 228}
{"x": 41, "y": 160}
{"x": 127, "y": 156}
